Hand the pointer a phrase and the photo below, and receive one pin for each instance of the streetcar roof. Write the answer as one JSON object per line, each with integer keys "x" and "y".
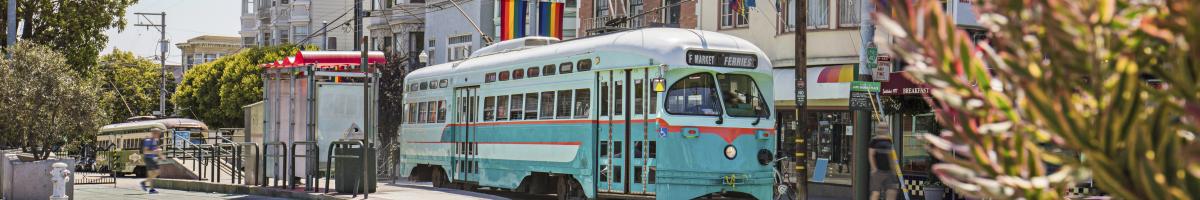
{"x": 664, "y": 45}
{"x": 168, "y": 123}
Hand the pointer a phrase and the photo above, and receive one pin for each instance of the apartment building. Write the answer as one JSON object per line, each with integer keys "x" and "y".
{"x": 270, "y": 22}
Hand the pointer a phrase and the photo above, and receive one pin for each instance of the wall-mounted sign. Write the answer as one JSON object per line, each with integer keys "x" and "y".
{"x": 721, "y": 59}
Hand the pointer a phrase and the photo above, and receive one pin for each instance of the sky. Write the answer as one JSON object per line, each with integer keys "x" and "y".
{"x": 185, "y": 19}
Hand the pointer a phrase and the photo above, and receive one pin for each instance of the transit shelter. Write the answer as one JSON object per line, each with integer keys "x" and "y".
{"x": 312, "y": 99}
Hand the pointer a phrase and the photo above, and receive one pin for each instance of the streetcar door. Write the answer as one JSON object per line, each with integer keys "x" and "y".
{"x": 642, "y": 130}
{"x": 626, "y": 131}
{"x": 611, "y": 132}
{"x": 464, "y": 164}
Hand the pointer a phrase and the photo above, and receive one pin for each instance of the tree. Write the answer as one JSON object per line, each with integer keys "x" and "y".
{"x": 391, "y": 104}
{"x": 47, "y": 105}
{"x": 130, "y": 85}
{"x": 215, "y": 92}
{"x": 72, "y": 27}
{"x": 1063, "y": 91}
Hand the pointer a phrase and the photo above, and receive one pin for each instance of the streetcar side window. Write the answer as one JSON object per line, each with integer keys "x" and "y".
{"x": 549, "y": 70}
{"x": 694, "y": 94}
{"x": 564, "y": 104}
{"x": 441, "y": 116}
{"x": 412, "y": 113}
{"x": 433, "y": 84}
{"x": 583, "y": 99}
{"x": 533, "y": 72}
{"x": 504, "y": 76}
{"x": 422, "y": 111}
{"x": 518, "y": 74}
{"x": 489, "y": 77}
{"x": 585, "y": 65}
{"x": 618, "y": 98}
{"x": 517, "y": 108}
{"x": 565, "y": 68}
{"x": 547, "y": 105}
{"x": 424, "y": 85}
{"x": 639, "y": 94}
{"x": 604, "y": 99}
{"x": 489, "y": 108}
{"x": 501, "y": 108}
{"x": 444, "y": 83}
{"x": 531, "y": 106}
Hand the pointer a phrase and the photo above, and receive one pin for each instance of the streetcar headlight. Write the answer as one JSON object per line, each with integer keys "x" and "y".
{"x": 730, "y": 152}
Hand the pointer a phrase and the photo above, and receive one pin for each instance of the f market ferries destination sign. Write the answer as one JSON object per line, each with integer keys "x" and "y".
{"x": 721, "y": 59}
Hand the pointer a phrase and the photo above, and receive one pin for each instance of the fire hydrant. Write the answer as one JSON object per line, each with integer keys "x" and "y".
{"x": 59, "y": 177}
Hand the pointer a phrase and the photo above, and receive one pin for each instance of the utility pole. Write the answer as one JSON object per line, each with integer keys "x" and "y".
{"x": 162, "y": 58}
{"x": 324, "y": 36}
{"x": 862, "y": 118}
{"x": 801, "y": 57}
{"x": 358, "y": 28}
{"x": 12, "y": 23}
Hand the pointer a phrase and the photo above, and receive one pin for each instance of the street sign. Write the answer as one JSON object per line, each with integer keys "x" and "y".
{"x": 864, "y": 86}
{"x": 872, "y": 56}
{"x": 883, "y": 71}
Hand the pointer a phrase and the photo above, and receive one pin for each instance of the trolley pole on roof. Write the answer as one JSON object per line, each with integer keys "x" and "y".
{"x": 801, "y": 129}
{"x": 162, "y": 58}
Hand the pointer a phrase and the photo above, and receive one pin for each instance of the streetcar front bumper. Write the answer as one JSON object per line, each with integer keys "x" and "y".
{"x": 692, "y": 184}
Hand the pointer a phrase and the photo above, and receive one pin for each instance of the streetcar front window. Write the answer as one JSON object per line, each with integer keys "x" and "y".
{"x": 694, "y": 94}
{"x": 741, "y": 96}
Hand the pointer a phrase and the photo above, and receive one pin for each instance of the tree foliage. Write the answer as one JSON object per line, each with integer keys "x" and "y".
{"x": 129, "y": 84}
{"x": 46, "y": 104}
{"x": 1064, "y": 90}
{"x": 215, "y": 92}
{"x": 73, "y": 27}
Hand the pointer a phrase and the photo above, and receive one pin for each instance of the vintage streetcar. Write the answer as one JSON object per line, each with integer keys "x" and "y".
{"x": 650, "y": 113}
{"x": 119, "y": 145}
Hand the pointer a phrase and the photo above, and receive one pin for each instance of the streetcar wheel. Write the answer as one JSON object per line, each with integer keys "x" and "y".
{"x": 569, "y": 189}
{"x": 438, "y": 178}
{"x": 139, "y": 172}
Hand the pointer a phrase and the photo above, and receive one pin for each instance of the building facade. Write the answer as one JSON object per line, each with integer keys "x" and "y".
{"x": 595, "y": 14}
{"x": 207, "y": 48}
{"x": 272, "y": 22}
{"x": 447, "y": 42}
{"x": 398, "y": 27}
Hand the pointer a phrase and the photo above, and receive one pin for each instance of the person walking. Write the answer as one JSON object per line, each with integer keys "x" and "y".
{"x": 150, "y": 156}
{"x": 883, "y": 179}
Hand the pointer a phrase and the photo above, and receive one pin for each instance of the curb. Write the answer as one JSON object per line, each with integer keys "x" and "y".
{"x": 204, "y": 186}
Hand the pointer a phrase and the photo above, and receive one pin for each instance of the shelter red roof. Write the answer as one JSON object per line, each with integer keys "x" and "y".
{"x": 327, "y": 59}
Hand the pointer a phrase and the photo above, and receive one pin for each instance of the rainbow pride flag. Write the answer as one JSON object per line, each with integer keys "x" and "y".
{"x": 512, "y": 19}
{"x": 550, "y": 19}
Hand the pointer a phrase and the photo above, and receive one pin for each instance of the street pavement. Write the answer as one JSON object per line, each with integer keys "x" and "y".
{"x": 128, "y": 188}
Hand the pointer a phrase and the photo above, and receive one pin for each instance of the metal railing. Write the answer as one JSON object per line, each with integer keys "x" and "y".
{"x": 280, "y": 155}
{"x": 310, "y": 176}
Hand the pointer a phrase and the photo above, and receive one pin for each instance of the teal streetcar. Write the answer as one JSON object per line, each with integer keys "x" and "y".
{"x": 651, "y": 113}
{"x": 119, "y": 145}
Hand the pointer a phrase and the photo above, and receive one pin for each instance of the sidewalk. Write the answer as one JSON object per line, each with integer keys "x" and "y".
{"x": 128, "y": 188}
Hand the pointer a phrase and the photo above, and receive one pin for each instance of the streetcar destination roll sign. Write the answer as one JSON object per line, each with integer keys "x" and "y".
{"x": 721, "y": 59}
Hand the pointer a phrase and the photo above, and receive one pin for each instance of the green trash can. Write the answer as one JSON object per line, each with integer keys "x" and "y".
{"x": 347, "y": 170}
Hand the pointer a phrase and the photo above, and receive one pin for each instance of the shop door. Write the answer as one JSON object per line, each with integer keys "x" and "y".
{"x": 626, "y": 120}
{"x": 464, "y": 162}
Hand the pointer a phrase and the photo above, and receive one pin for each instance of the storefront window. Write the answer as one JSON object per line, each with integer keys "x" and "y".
{"x": 832, "y": 133}
{"x": 916, "y": 159}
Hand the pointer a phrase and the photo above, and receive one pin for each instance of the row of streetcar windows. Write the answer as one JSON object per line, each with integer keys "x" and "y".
{"x": 426, "y": 112}
{"x": 535, "y": 71}
{"x": 428, "y": 85}
{"x": 561, "y": 104}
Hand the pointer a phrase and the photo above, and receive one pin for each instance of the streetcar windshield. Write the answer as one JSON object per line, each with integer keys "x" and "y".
{"x": 695, "y": 94}
{"x": 741, "y": 96}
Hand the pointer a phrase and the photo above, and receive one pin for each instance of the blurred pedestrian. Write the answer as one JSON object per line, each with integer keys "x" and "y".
{"x": 150, "y": 156}
{"x": 883, "y": 178}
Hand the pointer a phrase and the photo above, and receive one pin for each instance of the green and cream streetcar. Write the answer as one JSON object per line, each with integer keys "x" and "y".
{"x": 119, "y": 145}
